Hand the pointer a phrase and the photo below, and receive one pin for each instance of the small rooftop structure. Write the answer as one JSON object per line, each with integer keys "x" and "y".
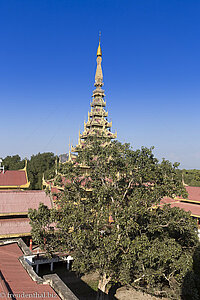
{"x": 1, "y": 167}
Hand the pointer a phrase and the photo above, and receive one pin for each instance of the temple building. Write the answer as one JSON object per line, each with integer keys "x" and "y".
{"x": 97, "y": 123}
{"x": 15, "y": 201}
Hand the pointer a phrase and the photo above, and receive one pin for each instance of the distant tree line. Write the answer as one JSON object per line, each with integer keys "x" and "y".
{"x": 44, "y": 163}
{"x": 37, "y": 165}
{"x": 190, "y": 177}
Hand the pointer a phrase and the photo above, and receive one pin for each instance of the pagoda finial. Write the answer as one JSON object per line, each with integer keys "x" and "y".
{"x": 99, "y": 52}
{"x": 56, "y": 165}
{"x": 25, "y": 164}
{"x": 69, "y": 156}
{"x": 79, "y": 138}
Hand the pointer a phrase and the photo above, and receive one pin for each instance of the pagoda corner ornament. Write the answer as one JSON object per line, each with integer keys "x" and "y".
{"x": 97, "y": 124}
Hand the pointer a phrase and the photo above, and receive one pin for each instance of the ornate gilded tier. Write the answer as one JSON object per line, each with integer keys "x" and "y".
{"x": 98, "y": 122}
{"x": 98, "y": 111}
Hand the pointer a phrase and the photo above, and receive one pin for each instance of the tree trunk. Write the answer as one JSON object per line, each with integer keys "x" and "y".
{"x": 102, "y": 292}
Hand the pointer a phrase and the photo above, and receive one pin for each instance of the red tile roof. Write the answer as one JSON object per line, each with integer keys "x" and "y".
{"x": 3, "y": 287}
{"x": 193, "y": 193}
{"x": 18, "y": 279}
{"x": 12, "y": 202}
{"x": 193, "y": 208}
{"x": 167, "y": 200}
{"x": 14, "y": 227}
{"x": 13, "y": 178}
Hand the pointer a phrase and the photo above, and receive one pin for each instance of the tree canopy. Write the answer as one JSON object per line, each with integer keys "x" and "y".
{"x": 109, "y": 219}
{"x": 191, "y": 177}
{"x": 13, "y": 162}
{"x": 39, "y": 164}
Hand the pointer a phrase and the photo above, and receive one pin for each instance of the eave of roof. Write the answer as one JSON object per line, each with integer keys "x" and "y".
{"x": 14, "y": 235}
{"x": 14, "y": 227}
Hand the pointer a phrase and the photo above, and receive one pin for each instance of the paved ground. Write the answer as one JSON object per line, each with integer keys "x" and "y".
{"x": 124, "y": 293}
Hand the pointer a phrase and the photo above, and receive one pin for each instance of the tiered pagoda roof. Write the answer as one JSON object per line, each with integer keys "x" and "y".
{"x": 97, "y": 123}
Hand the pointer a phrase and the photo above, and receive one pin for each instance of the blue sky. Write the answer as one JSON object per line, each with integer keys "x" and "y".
{"x": 151, "y": 66}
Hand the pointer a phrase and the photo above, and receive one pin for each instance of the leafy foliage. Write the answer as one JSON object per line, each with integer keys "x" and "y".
{"x": 39, "y": 164}
{"x": 108, "y": 217}
{"x": 191, "y": 283}
{"x": 42, "y": 222}
{"x": 190, "y": 177}
{"x": 13, "y": 162}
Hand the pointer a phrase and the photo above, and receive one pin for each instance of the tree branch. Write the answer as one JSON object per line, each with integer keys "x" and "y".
{"x": 126, "y": 191}
{"x": 138, "y": 279}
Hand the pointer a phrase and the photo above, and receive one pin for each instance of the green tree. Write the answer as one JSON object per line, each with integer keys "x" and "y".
{"x": 191, "y": 177}
{"x": 42, "y": 221}
{"x": 191, "y": 283}
{"x": 13, "y": 162}
{"x": 39, "y": 164}
{"x": 108, "y": 217}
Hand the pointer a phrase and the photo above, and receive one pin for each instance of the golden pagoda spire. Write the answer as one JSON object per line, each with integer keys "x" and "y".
{"x": 97, "y": 123}
{"x": 99, "y": 73}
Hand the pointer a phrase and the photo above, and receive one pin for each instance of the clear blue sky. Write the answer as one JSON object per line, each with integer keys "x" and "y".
{"x": 151, "y": 65}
